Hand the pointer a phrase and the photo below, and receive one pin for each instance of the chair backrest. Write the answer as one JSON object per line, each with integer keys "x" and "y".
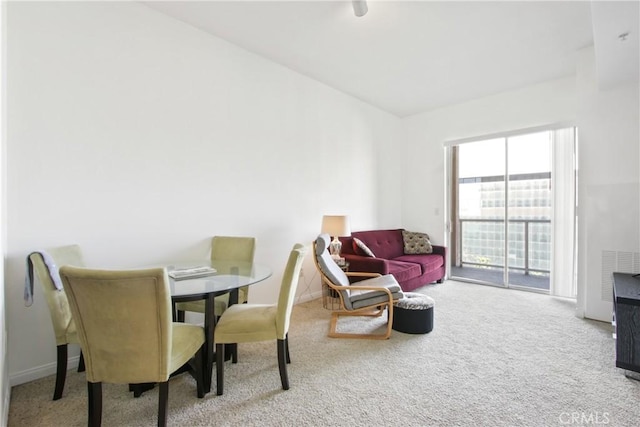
{"x": 330, "y": 269}
{"x": 124, "y": 322}
{"x": 288, "y": 289}
{"x": 63, "y": 324}
{"x": 233, "y": 248}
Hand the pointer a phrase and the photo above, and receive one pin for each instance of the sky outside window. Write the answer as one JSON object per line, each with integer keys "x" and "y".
{"x": 527, "y": 154}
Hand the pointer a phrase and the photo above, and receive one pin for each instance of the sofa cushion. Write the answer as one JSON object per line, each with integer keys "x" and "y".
{"x": 403, "y": 271}
{"x": 361, "y": 249}
{"x": 387, "y": 244}
{"x": 347, "y": 246}
{"x": 427, "y": 263}
{"x": 416, "y": 243}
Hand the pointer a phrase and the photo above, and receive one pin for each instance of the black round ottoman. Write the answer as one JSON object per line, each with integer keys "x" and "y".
{"x": 413, "y": 314}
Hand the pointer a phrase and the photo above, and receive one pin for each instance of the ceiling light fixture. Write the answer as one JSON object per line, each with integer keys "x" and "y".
{"x": 360, "y": 7}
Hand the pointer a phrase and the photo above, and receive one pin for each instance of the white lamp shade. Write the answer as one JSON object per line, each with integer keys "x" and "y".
{"x": 336, "y": 225}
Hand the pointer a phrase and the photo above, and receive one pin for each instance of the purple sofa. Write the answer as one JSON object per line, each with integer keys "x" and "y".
{"x": 411, "y": 271}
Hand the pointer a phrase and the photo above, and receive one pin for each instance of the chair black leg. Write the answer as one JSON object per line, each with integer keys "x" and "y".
{"x": 163, "y": 403}
{"x": 180, "y": 316}
{"x": 219, "y": 369}
{"x": 138, "y": 388}
{"x": 286, "y": 338}
{"x": 200, "y": 363}
{"x": 95, "y": 404}
{"x": 282, "y": 363}
{"x": 234, "y": 353}
{"x": 81, "y": 366}
{"x": 61, "y": 371}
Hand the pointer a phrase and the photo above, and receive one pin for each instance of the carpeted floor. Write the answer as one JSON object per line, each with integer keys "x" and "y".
{"x": 495, "y": 358}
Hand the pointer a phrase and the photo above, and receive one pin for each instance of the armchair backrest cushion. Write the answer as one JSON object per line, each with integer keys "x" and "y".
{"x": 330, "y": 268}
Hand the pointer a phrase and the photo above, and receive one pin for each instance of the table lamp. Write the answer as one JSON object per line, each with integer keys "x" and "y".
{"x": 336, "y": 225}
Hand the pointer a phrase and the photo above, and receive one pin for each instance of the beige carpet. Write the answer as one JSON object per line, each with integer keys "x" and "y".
{"x": 495, "y": 358}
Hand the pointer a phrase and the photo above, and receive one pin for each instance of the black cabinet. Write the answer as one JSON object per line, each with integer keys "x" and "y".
{"x": 626, "y": 316}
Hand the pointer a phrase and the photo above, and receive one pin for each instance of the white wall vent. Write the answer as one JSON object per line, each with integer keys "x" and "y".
{"x": 619, "y": 262}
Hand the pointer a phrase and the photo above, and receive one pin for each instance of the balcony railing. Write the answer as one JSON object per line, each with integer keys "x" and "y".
{"x": 481, "y": 243}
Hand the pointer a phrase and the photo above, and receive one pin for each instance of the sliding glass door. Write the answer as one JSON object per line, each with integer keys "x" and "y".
{"x": 529, "y": 210}
{"x": 503, "y": 209}
{"x": 480, "y": 225}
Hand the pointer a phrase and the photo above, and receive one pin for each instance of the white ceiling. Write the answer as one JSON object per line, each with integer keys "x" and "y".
{"x": 407, "y": 57}
{"x": 618, "y": 60}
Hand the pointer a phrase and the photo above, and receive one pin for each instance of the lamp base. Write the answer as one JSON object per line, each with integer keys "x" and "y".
{"x": 335, "y": 247}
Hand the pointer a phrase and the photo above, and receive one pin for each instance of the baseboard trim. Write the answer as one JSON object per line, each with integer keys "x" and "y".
{"x": 5, "y": 404}
{"x": 42, "y": 371}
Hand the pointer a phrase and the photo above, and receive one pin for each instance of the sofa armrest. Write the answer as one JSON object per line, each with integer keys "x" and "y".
{"x": 367, "y": 264}
{"x": 440, "y": 250}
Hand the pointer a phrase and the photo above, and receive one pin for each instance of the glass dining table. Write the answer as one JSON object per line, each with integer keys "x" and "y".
{"x": 228, "y": 277}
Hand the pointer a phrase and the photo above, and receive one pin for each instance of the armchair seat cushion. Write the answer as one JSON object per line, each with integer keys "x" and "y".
{"x": 375, "y": 297}
{"x": 368, "y": 298}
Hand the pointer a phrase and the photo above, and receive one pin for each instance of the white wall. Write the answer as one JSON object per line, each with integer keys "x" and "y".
{"x": 139, "y": 137}
{"x": 424, "y": 170}
{"x": 609, "y": 183}
{"x": 609, "y": 180}
{"x": 5, "y": 389}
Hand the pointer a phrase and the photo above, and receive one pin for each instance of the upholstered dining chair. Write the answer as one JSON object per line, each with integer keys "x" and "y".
{"x": 126, "y": 332}
{"x": 230, "y": 248}
{"x": 64, "y": 327}
{"x": 243, "y": 323}
{"x": 368, "y": 297}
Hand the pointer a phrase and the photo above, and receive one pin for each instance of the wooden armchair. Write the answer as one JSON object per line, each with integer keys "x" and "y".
{"x": 368, "y": 297}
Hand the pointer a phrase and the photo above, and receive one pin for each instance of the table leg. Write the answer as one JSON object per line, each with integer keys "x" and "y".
{"x": 231, "y": 350}
{"x": 209, "y": 330}
{"x": 174, "y": 316}
{"x": 139, "y": 388}
{"x": 233, "y": 297}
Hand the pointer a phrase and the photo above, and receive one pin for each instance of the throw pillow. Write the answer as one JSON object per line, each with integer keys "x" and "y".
{"x": 416, "y": 243}
{"x": 361, "y": 249}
